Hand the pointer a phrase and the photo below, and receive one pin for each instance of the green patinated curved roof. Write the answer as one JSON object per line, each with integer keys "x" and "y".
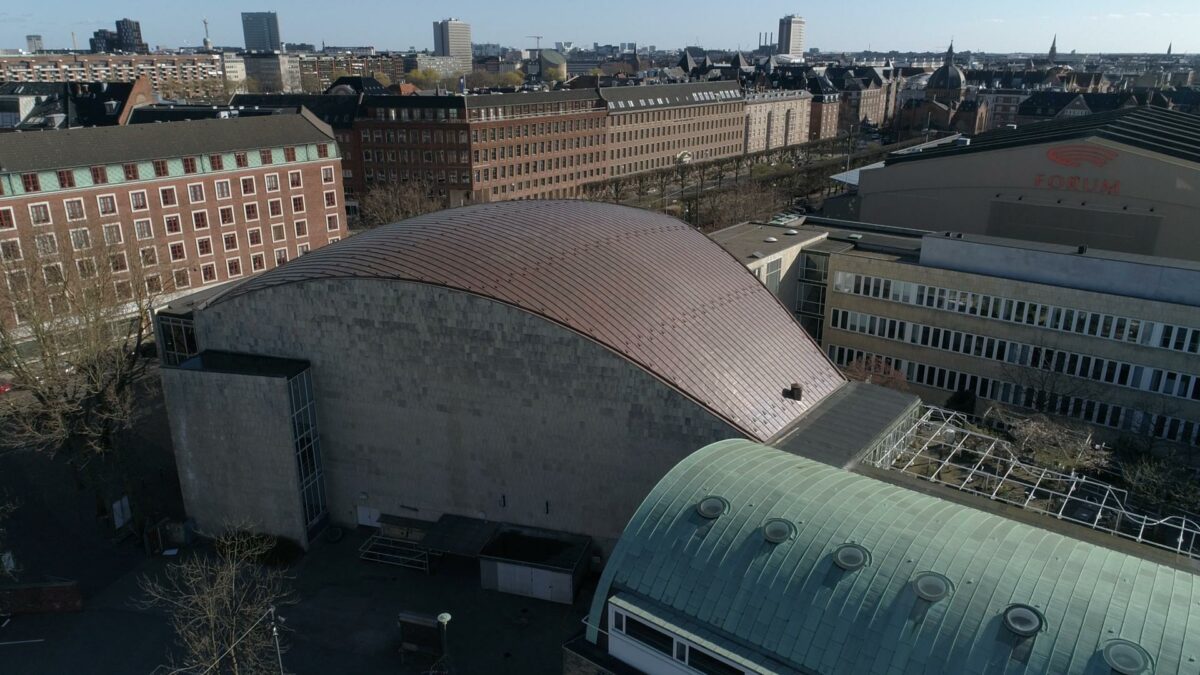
{"x": 788, "y": 605}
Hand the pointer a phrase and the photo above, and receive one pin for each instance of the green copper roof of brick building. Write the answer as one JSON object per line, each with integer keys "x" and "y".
{"x": 788, "y": 607}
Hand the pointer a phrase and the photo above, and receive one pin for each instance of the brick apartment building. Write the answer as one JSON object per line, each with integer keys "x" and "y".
{"x": 528, "y": 146}
{"x": 777, "y": 119}
{"x": 189, "y": 75}
{"x": 651, "y": 127}
{"x": 184, "y": 204}
{"x": 825, "y": 108}
{"x": 496, "y": 147}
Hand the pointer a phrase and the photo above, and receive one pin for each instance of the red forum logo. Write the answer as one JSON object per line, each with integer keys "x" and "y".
{"x": 1078, "y": 155}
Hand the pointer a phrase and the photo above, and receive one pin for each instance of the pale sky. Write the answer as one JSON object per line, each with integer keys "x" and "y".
{"x": 919, "y": 25}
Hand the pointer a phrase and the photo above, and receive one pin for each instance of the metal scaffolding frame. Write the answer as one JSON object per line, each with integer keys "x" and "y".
{"x": 940, "y": 446}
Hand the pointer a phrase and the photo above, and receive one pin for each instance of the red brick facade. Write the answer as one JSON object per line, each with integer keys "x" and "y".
{"x": 184, "y": 222}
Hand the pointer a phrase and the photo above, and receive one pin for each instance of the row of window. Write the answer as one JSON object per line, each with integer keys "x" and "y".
{"x": 669, "y": 160}
{"x": 1104, "y": 414}
{"x": 678, "y": 649}
{"x": 417, "y": 114}
{"x": 306, "y": 440}
{"x": 1096, "y": 324}
{"x": 689, "y": 129}
{"x": 539, "y": 148}
{"x": 674, "y": 145}
{"x": 159, "y": 168}
{"x": 413, "y": 136}
{"x": 674, "y": 114}
{"x": 418, "y": 156}
{"x": 108, "y": 206}
{"x": 403, "y": 175}
{"x": 506, "y": 171}
{"x": 1143, "y": 378}
{"x": 172, "y": 223}
{"x": 181, "y": 278}
{"x": 81, "y": 239}
{"x": 521, "y": 110}
{"x": 493, "y": 134}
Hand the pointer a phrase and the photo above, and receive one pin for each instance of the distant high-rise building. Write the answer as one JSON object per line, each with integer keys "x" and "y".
{"x": 791, "y": 35}
{"x": 126, "y": 39}
{"x": 452, "y": 37}
{"x": 33, "y": 43}
{"x": 261, "y": 31}
{"x": 129, "y": 37}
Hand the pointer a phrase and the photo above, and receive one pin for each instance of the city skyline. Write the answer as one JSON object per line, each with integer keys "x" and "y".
{"x": 1106, "y": 27}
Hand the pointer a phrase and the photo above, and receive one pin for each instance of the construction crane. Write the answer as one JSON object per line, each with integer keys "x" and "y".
{"x": 539, "y": 40}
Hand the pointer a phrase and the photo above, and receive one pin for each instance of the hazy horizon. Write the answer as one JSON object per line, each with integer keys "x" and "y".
{"x": 1104, "y": 27}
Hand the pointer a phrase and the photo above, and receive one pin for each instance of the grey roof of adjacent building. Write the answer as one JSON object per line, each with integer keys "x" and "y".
{"x": 48, "y": 150}
{"x": 336, "y": 110}
{"x": 846, "y": 424}
{"x": 670, "y": 95}
{"x": 76, "y": 104}
{"x": 1169, "y": 132}
{"x": 253, "y": 365}
{"x": 524, "y": 97}
{"x": 171, "y": 112}
{"x": 749, "y": 241}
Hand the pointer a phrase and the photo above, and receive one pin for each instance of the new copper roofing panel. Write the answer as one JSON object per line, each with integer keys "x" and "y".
{"x": 644, "y": 285}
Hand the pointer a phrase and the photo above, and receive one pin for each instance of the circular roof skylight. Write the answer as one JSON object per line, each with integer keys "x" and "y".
{"x": 932, "y": 586}
{"x": 1127, "y": 658}
{"x": 1023, "y": 620}
{"x": 778, "y": 530}
{"x": 711, "y": 507}
{"x": 851, "y": 557}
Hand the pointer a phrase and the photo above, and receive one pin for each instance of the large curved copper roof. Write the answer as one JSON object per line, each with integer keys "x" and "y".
{"x": 644, "y": 285}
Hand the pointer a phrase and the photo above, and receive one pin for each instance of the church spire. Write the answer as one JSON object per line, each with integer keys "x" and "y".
{"x": 950, "y": 54}
{"x": 1054, "y": 48}
{"x": 1169, "y": 45}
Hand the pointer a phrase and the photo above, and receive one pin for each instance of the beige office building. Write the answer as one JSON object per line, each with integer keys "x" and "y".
{"x": 1105, "y": 338}
{"x": 1127, "y": 180}
{"x": 777, "y": 119}
{"x": 660, "y": 126}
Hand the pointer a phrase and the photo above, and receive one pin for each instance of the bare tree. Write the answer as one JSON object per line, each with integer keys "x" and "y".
{"x": 388, "y": 202}
{"x": 753, "y": 200}
{"x": 876, "y": 370}
{"x": 1052, "y": 443}
{"x": 1161, "y": 484}
{"x": 1040, "y": 369}
{"x": 73, "y": 339}
{"x": 7, "y": 564}
{"x": 222, "y": 605}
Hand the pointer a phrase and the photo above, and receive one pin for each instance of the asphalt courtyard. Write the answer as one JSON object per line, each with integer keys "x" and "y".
{"x": 344, "y": 622}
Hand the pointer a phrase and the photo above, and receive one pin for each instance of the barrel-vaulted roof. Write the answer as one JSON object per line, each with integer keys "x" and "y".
{"x": 645, "y": 285}
{"x": 931, "y": 597}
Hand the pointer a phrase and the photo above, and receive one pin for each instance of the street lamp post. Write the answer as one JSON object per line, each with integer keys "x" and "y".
{"x": 443, "y": 620}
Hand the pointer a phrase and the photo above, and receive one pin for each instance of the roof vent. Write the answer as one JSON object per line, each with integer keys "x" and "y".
{"x": 711, "y": 507}
{"x": 778, "y": 530}
{"x": 855, "y": 237}
{"x": 1127, "y": 658}
{"x": 757, "y": 254}
{"x": 1023, "y": 620}
{"x": 932, "y": 586}
{"x": 794, "y": 392}
{"x": 790, "y": 232}
{"x": 851, "y": 557}
{"x": 770, "y": 240}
